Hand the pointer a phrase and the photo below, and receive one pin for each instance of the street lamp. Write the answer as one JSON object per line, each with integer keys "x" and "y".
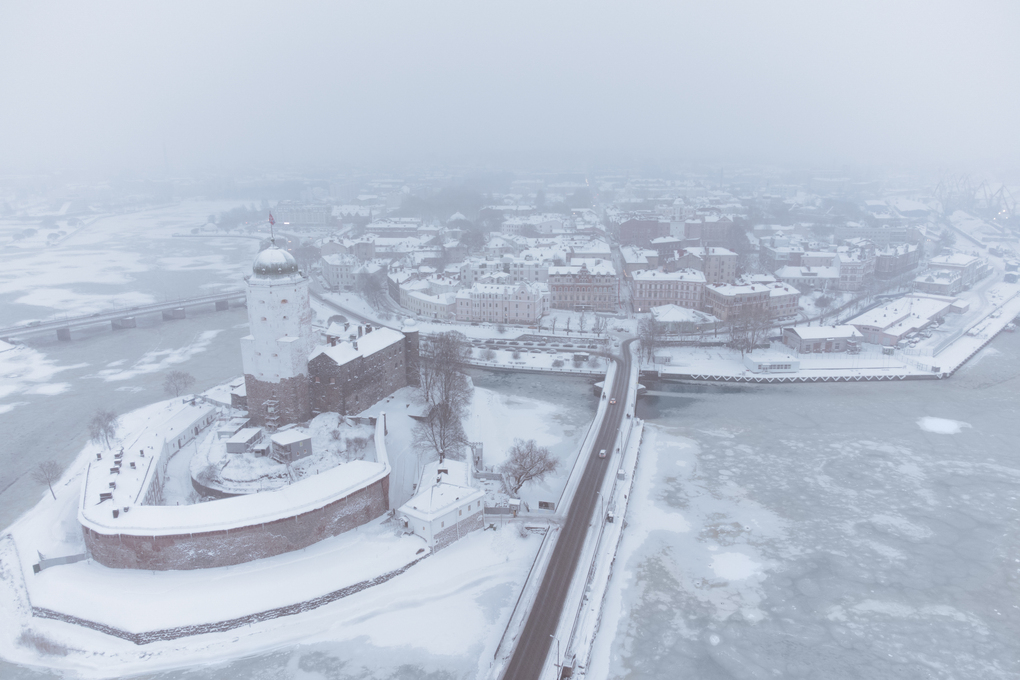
{"x": 557, "y": 664}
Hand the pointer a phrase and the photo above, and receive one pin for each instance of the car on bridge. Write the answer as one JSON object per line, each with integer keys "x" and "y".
{"x": 613, "y": 400}
{"x": 602, "y": 453}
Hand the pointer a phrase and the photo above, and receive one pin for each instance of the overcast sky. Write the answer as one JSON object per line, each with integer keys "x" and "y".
{"x": 259, "y": 85}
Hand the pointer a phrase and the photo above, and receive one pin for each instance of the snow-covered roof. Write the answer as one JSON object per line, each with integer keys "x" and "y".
{"x": 954, "y": 260}
{"x": 792, "y": 272}
{"x": 144, "y": 450}
{"x": 288, "y": 437}
{"x": 451, "y": 472}
{"x": 597, "y": 267}
{"x": 368, "y": 344}
{"x": 689, "y": 275}
{"x": 825, "y": 332}
{"x": 911, "y": 309}
{"x": 336, "y": 330}
{"x": 438, "y": 499}
{"x": 702, "y": 252}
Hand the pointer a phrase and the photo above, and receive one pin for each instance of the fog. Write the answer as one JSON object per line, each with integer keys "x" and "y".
{"x": 183, "y": 87}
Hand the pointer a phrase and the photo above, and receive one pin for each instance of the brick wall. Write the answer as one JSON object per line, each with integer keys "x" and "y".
{"x": 243, "y": 544}
{"x": 291, "y": 393}
{"x": 361, "y": 382}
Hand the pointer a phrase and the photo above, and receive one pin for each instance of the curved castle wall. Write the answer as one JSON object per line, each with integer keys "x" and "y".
{"x": 240, "y": 544}
{"x": 243, "y": 528}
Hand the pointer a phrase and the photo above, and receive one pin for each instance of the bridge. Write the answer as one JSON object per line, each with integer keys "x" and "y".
{"x": 119, "y": 318}
{"x": 532, "y": 649}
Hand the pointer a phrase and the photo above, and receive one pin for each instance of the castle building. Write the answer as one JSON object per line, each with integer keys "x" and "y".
{"x": 275, "y": 354}
{"x": 348, "y": 377}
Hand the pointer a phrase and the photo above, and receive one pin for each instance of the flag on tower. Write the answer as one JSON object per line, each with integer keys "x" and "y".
{"x": 271, "y": 220}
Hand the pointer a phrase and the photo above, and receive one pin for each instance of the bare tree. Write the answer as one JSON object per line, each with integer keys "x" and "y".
{"x": 581, "y": 322}
{"x": 441, "y": 380}
{"x": 650, "y": 333}
{"x": 527, "y": 461}
{"x": 371, "y": 286}
{"x": 553, "y": 326}
{"x": 440, "y": 431}
{"x": 46, "y": 473}
{"x": 750, "y": 328}
{"x": 177, "y": 382}
{"x": 307, "y": 255}
{"x": 103, "y": 426}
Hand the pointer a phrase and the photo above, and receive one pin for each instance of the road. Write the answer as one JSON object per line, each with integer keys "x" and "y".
{"x": 537, "y": 637}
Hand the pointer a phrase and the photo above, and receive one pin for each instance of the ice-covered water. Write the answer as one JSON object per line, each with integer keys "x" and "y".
{"x": 825, "y": 531}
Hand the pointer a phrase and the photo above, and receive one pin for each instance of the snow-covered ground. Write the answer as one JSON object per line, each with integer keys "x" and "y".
{"x": 471, "y": 588}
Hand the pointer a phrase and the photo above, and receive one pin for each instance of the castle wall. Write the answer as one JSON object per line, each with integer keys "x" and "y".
{"x": 243, "y": 544}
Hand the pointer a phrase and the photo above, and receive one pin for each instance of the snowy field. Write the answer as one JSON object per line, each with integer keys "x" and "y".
{"x": 827, "y": 531}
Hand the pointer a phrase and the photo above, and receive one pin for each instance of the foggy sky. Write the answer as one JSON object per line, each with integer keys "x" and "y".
{"x": 104, "y": 86}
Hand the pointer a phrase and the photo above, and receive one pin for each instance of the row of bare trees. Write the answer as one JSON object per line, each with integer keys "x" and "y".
{"x": 599, "y": 325}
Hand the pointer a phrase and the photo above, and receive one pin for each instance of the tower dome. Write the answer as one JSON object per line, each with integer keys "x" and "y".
{"x": 274, "y": 262}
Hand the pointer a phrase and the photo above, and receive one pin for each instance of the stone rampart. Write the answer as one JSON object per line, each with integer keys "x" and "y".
{"x": 241, "y": 544}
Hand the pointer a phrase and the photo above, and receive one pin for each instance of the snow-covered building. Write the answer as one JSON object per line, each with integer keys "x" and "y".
{"x": 344, "y": 271}
{"x": 424, "y": 298}
{"x": 684, "y": 288}
{"x": 731, "y": 301}
{"x": 888, "y": 324}
{"x": 939, "y": 282}
{"x": 521, "y": 303}
{"x": 349, "y": 376}
{"x": 806, "y": 339}
{"x": 718, "y": 264}
{"x": 676, "y": 319}
{"x": 636, "y": 259}
{"x": 275, "y": 354}
{"x": 810, "y": 278}
{"x": 447, "y": 505}
{"x": 584, "y": 285}
{"x": 895, "y": 260}
{"x": 970, "y": 268}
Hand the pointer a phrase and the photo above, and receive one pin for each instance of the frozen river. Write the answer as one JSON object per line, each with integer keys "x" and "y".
{"x": 825, "y": 531}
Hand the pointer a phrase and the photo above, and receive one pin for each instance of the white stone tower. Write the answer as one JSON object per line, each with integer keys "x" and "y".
{"x": 275, "y": 355}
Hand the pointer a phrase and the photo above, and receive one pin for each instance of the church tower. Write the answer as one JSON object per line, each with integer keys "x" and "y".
{"x": 275, "y": 355}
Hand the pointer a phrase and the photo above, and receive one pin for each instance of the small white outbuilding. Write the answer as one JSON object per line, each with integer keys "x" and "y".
{"x": 446, "y": 505}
